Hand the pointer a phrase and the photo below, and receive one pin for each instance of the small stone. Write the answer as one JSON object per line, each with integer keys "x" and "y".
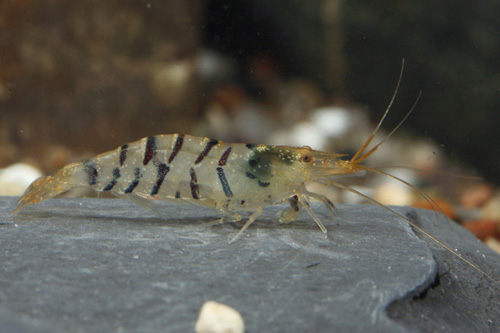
{"x": 442, "y": 207}
{"x": 476, "y": 196}
{"x": 219, "y": 318}
{"x": 16, "y": 178}
{"x": 393, "y": 194}
{"x": 493, "y": 244}
{"x": 491, "y": 210}
{"x": 483, "y": 228}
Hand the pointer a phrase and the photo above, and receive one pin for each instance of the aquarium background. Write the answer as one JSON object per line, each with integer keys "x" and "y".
{"x": 79, "y": 78}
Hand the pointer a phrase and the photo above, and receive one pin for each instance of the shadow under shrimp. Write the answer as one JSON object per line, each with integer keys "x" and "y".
{"x": 140, "y": 217}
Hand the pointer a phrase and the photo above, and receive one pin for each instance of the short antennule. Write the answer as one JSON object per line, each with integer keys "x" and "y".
{"x": 371, "y": 151}
{"x": 356, "y": 158}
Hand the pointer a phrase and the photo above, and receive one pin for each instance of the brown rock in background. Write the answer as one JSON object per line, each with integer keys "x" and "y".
{"x": 483, "y": 228}
{"x": 93, "y": 75}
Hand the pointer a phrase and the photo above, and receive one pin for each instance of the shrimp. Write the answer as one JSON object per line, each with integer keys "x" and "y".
{"x": 228, "y": 177}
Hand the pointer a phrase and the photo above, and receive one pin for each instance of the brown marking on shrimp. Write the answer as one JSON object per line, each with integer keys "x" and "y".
{"x": 150, "y": 149}
{"x": 206, "y": 150}
{"x": 123, "y": 154}
{"x": 178, "y": 145}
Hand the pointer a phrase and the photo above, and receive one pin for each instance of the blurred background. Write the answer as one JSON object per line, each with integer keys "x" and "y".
{"x": 80, "y": 78}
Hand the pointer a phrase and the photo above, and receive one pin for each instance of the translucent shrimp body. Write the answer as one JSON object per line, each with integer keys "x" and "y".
{"x": 227, "y": 177}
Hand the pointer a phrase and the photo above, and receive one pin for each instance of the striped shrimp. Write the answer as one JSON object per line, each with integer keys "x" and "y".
{"x": 228, "y": 177}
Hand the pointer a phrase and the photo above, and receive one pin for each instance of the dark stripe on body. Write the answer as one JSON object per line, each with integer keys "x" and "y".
{"x": 112, "y": 183}
{"x": 294, "y": 202}
{"x": 250, "y": 175}
{"x": 195, "y": 188}
{"x": 177, "y": 147}
{"x": 250, "y": 145}
{"x": 224, "y": 183}
{"x": 263, "y": 184}
{"x": 206, "y": 150}
{"x": 90, "y": 169}
{"x": 135, "y": 182}
{"x": 163, "y": 169}
{"x": 224, "y": 157}
{"x": 150, "y": 149}
{"x": 123, "y": 154}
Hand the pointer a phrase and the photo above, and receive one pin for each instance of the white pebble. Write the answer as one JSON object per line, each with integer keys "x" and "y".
{"x": 491, "y": 210}
{"x": 219, "y": 318}
{"x": 15, "y": 178}
{"x": 393, "y": 194}
{"x": 493, "y": 244}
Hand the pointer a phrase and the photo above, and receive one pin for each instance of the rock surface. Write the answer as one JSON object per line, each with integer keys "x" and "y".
{"x": 86, "y": 265}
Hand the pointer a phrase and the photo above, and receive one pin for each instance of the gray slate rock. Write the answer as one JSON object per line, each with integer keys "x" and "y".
{"x": 88, "y": 265}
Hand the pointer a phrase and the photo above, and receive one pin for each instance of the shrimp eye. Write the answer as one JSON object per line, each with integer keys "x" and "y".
{"x": 306, "y": 158}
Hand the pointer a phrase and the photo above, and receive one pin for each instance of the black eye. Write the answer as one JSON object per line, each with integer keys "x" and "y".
{"x": 306, "y": 158}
